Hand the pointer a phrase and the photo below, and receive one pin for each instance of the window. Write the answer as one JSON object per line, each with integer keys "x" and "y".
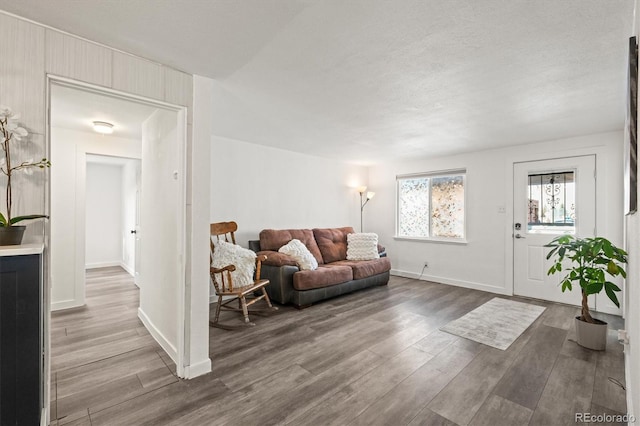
{"x": 431, "y": 205}
{"x": 552, "y": 203}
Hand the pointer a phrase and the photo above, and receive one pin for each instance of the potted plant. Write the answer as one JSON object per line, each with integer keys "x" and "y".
{"x": 592, "y": 259}
{"x": 10, "y": 132}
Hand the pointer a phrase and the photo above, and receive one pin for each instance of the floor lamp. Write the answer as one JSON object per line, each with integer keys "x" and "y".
{"x": 369, "y": 196}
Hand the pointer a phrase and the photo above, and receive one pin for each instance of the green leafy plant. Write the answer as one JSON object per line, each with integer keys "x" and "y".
{"x": 592, "y": 259}
{"x": 11, "y": 132}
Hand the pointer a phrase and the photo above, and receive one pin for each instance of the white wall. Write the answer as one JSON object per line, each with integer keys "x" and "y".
{"x": 486, "y": 261}
{"x": 161, "y": 263}
{"x": 197, "y": 286}
{"x": 262, "y": 187}
{"x": 69, "y": 150}
{"x": 104, "y": 214}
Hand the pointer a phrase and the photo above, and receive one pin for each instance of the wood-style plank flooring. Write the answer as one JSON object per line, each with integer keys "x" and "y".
{"x": 372, "y": 357}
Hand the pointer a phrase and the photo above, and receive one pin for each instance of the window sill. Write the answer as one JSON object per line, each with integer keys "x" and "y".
{"x": 461, "y": 241}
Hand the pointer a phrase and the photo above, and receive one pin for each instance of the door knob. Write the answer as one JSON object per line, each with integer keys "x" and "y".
{"x": 133, "y": 231}
{"x": 518, "y": 236}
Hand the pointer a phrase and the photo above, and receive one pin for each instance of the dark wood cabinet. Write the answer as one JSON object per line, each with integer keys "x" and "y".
{"x": 21, "y": 339}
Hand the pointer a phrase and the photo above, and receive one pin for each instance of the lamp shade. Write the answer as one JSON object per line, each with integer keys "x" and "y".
{"x": 370, "y": 195}
{"x": 361, "y": 189}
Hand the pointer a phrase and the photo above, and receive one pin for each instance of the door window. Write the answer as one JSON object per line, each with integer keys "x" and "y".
{"x": 552, "y": 203}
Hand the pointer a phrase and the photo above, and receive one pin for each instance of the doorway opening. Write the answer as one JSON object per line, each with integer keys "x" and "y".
{"x": 112, "y": 213}
{"x": 145, "y": 157}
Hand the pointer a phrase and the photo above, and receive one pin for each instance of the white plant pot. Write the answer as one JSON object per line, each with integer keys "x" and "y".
{"x": 591, "y": 336}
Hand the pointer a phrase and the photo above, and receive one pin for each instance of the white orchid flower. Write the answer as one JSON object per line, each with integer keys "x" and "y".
{"x": 5, "y": 111}
{"x": 19, "y": 133}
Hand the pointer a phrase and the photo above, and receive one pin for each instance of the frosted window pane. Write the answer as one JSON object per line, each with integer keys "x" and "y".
{"x": 447, "y": 198}
{"x": 413, "y": 207}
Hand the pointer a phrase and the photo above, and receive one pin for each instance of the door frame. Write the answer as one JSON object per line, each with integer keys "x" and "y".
{"x": 52, "y": 79}
{"x": 598, "y": 151}
{"x": 585, "y": 202}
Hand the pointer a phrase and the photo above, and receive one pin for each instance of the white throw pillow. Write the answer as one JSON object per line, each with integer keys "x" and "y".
{"x": 362, "y": 246}
{"x": 243, "y": 259}
{"x": 296, "y": 249}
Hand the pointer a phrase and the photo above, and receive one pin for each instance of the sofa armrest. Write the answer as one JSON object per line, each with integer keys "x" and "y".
{"x": 275, "y": 258}
{"x": 254, "y": 245}
{"x": 280, "y": 288}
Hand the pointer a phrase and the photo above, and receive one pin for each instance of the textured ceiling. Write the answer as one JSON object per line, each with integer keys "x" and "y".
{"x": 369, "y": 80}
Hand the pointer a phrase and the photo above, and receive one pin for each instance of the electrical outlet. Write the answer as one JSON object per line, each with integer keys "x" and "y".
{"x": 426, "y": 264}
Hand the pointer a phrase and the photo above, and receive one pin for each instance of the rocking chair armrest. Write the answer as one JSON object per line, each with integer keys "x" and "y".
{"x": 229, "y": 268}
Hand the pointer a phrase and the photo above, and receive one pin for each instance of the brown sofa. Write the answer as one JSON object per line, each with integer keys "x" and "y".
{"x": 335, "y": 274}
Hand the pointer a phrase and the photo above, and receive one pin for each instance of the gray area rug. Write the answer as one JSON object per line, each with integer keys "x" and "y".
{"x": 497, "y": 323}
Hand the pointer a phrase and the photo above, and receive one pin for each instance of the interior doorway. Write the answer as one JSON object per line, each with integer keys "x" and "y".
{"x": 112, "y": 216}
{"x": 154, "y": 134}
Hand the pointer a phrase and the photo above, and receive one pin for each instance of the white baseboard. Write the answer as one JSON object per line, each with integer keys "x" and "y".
{"x": 158, "y": 336}
{"x": 66, "y": 304}
{"x": 197, "y": 369}
{"x": 449, "y": 281}
{"x": 628, "y": 380}
{"x": 96, "y": 265}
{"x": 128, "y": 268}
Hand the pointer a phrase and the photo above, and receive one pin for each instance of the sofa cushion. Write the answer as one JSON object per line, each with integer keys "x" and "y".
{"x": 366, "y": 268}
{"x": 362, "y": 246}
{"x": 324, "y": 276}
{"x": 332, "y": 243}
{"x": 277, "y": 259}
{"x": 302, "y": 255}
{"x": 273, "y": 239}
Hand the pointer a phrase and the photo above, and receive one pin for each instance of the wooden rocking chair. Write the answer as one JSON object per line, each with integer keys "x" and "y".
{"x": 223, "y": 282}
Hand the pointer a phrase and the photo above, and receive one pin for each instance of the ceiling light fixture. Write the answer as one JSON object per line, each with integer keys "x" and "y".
{"x": 103, "y": 127}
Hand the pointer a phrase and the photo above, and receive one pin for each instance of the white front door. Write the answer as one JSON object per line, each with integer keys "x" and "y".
{"x": 551, "y": 198}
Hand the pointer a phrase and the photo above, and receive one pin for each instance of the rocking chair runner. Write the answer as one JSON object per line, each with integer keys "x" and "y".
{"x": 223, "y": 281}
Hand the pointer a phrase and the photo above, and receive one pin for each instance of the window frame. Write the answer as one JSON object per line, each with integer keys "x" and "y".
{"x": 435, "y": 174}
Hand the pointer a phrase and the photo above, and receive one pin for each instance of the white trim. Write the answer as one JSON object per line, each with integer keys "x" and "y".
{"x": 183, "y": 331}
{"x": 627, "y": 379}
{"x": 97, "y": 265}
{"x": 197, "y": 369}
{"x": 158, "y": 336}
{"x": 128, "y": 268}
{"x": 44, "y": 414}
{"x": 461, "y": 241}
{"x": 436, "y": 173}
{"x": 449, "y": 281}
{"x": 66, "y": 304}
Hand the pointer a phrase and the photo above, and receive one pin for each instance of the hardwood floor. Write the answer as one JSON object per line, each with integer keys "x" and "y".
{"x": 372, "y": 357}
